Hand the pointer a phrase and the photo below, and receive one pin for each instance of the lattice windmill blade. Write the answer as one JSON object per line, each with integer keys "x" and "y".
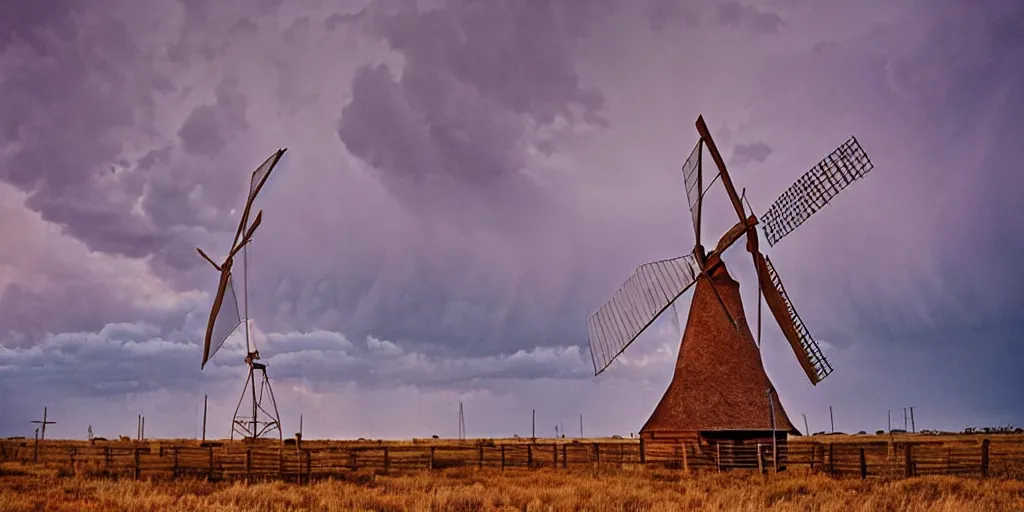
{"x": 224, "y": 316}
{"x": 256, "y": 182}
{"x": 807, "y": 351}
{"x": 815, "y": 189}
{"x": 694, "y": 182}
{"x": 248, "y": 234}
{"x": 651, "y": 289}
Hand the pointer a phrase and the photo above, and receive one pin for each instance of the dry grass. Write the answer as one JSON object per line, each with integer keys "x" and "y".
{"x": 32, "y": 488}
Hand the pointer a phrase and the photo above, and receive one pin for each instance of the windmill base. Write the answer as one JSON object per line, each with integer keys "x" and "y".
{"x": 722, "y": 449}
{"x": 262, "y": 422}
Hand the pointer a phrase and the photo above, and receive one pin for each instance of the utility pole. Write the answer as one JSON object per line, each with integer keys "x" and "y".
{"x": 807, "y": 430}
{"x": 138, "y": 428}
{"x": 890, "y": 421}
{"x": 904, "y": 420}
{"x": 143, "y": 428}
{"x": 831, "y": 419}
{"x": 462, "y": 423}
{"x": 533, "y": 429}
{"x": 913, "y": 428}
{"x": 44, "y": 423}
{"x": 204, "y": 417}
{"x": 581, "y": 426}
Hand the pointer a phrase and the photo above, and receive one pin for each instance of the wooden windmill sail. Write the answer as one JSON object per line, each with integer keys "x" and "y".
{"x": 226, "y": 316}
{"x": 720, "y": 389}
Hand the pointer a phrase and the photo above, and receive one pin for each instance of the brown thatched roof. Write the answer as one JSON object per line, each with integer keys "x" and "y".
{"x": 719, "y": 381}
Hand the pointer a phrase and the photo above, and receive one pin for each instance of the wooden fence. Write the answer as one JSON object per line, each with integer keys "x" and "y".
{"x": 317, "y": 460}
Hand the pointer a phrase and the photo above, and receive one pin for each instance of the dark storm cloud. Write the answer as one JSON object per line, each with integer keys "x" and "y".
{"x": 743, "y": 154}
{"x": 475, "y": 78}
{"x": 207, "y": 128}
{"x": 734, "y": 13}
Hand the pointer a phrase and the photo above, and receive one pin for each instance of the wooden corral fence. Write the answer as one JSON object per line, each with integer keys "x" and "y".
{"x": 861, "y": 458}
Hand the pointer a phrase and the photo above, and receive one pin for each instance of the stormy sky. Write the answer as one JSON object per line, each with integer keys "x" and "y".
{"x": 466, "y": 181}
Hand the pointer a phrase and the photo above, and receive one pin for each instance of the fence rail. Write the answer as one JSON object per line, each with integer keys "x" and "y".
{"x": 316, "y": 460}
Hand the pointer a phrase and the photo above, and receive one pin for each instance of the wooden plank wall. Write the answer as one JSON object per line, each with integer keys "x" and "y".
{"x": 322, "y": 459}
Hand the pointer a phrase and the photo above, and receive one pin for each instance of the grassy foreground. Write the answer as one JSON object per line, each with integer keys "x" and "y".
{"x": 26, "y": 488}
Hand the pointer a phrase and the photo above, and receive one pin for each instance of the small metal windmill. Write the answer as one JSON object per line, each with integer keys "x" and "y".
{"x": 225, "y": 318}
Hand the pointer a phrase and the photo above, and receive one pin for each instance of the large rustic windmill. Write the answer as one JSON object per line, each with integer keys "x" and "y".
{"x": 720, "y": 393}
{"x": 225, "y": 318}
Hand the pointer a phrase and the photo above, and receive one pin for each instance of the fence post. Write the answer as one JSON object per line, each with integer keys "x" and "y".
{"x": 174, "y": 453}
{"x": 481, "y": 464}
{"x": 643, "y": 457}
{"x": 106, "y": 457}
{"x": 831, "y": 460}
{"x": 760, "y": 460}
{"x": 248, "y": 464}
{"x": 554, "y": 451}
{"x": 597, "y": 454}
{"x": 309, "y": 467}
{"x": 984, "y": 457}
{"x": 503, "y": 457}
{"x": 686, "y": 462}
{"x": 529, "y": 455}
{"x": 718, "y": 457}
{"x": 431, "y": 457}
{"x": 355, "y": 458}
{"x": 814, "y": 451}
{"x": 863, "y": 465}
{"x": 138, "y": 470}
{"x": 908, "y": 460}
{"x": 209, "y": 472}
{"x": 565, "y": 456}
{"x": 386, "y": 461}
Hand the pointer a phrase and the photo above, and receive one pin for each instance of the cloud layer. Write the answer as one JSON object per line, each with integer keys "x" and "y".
{"x": 467, "y": 181}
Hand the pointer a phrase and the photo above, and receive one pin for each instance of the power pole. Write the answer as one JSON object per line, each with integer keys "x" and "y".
{"x": 204, "y": 417}
{"x": 890, "y": 421}
{"x": 807, "y": 430}
{"x": 44, "y": 423}
{"x": 462, "y": 423}
{"x": 831, "y": 419}
{"x": 581, "y": 426}
{"x": 533, "y": 429}
{"x": 913, "y": 428}
{"x": 904, "y": 420}
{"x": 771, "y": 406}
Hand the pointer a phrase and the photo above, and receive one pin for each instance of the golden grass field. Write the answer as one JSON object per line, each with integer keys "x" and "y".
{"x": 34, "y": 488}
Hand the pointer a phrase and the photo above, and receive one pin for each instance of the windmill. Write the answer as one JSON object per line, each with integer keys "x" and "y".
{"x": 720, "y": 394}
{"x": 225, "y": 318}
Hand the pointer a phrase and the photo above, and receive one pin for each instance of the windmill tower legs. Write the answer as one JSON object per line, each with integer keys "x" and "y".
{"x": 265, "y": 418}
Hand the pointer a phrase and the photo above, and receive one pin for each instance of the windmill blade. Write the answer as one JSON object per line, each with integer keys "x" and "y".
{"x": 256, "y": 182}
{"x": 808, "y": 354}
{"x": 224, "y": 316}
{"x": 638, "y": 302}
{"x": 207, "y": 258}
{"x": 815, "y": 189}
{"x": 248, "y": 234}
{"x": 693, "y": 181}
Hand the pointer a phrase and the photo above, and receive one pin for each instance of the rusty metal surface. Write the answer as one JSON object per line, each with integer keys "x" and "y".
{"x": 815, "y": 189}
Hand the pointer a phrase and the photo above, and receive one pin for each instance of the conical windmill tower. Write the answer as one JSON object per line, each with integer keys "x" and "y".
{"x": 720, "y": 394}
{"x": 225, "y": 318}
